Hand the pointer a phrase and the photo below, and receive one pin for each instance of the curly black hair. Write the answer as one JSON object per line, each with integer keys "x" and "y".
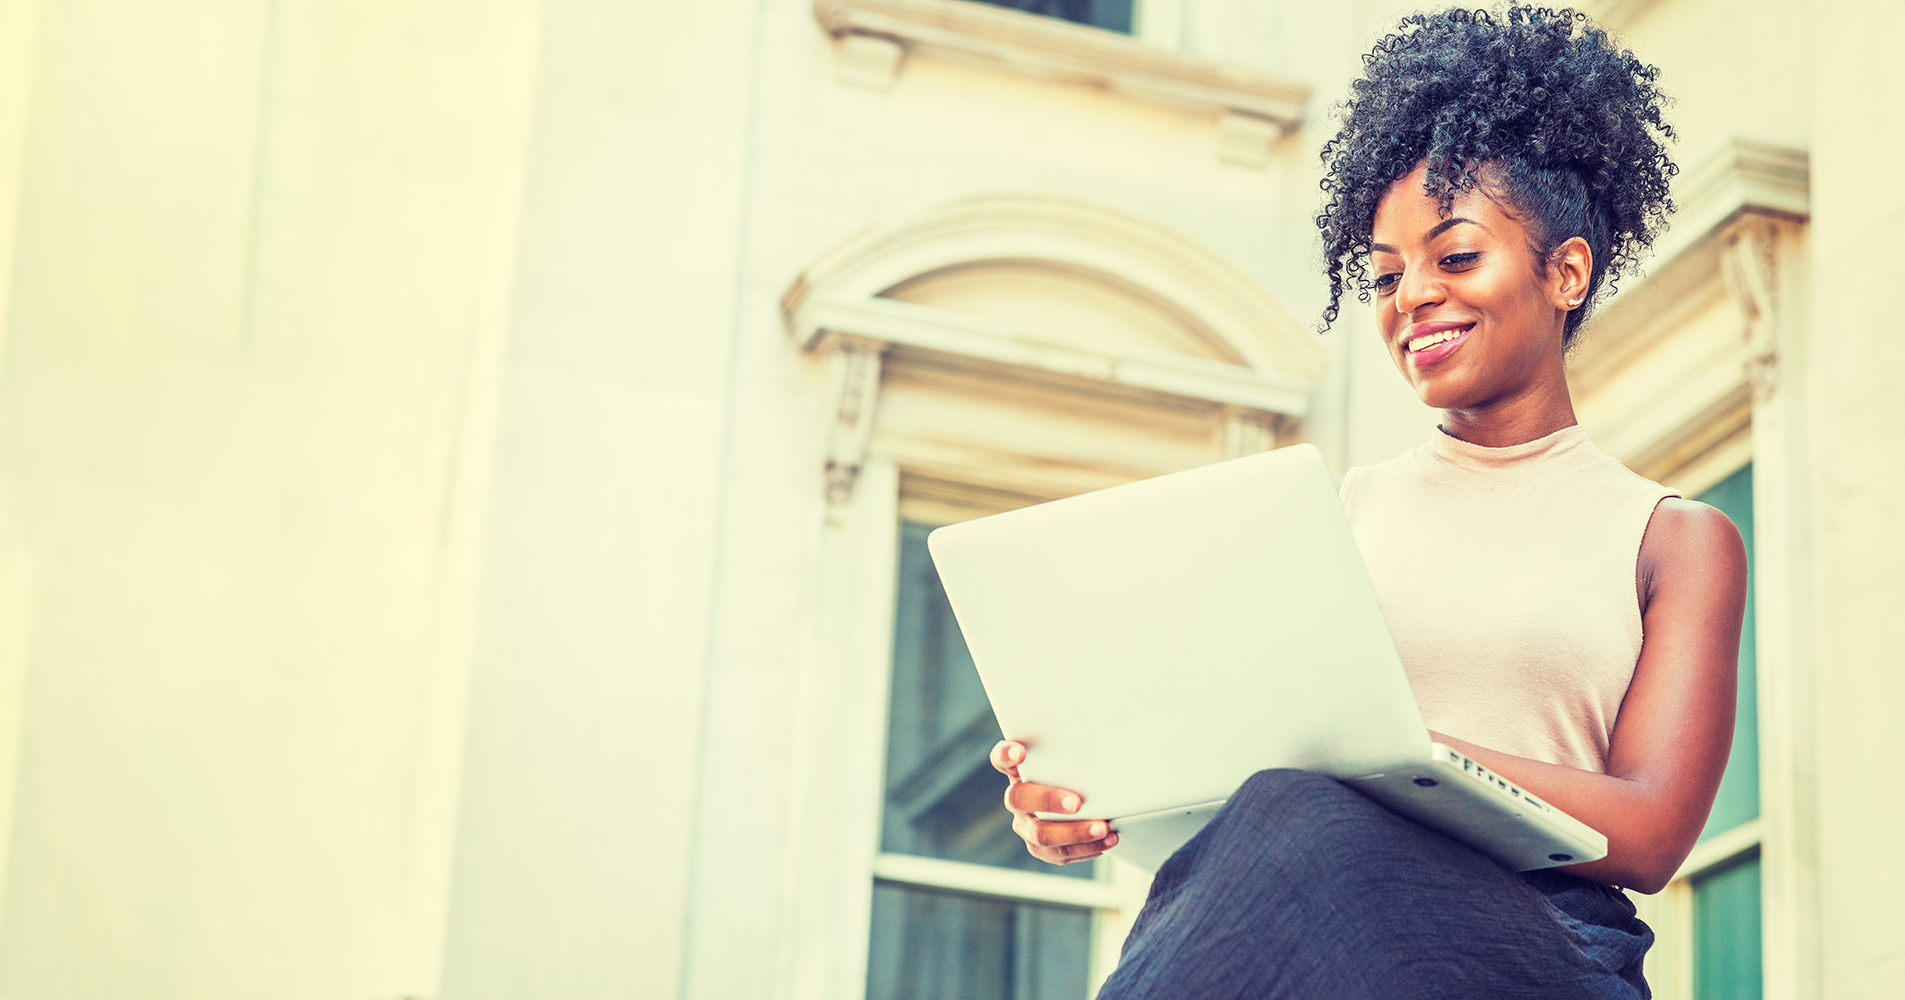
{"x": 1563, "y": 127}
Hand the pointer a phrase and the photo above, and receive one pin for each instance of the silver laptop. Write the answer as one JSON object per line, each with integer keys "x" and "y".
{"x": 1157, "y": 643}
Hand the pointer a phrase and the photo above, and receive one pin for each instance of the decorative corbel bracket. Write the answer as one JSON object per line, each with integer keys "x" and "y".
{"x": 1749, "y": 267}
{"x": 854, "y": 392}
{"x": 1248, "y": 432}
{"x": 1247, "y": 140}
{"x": 870, "y": 61}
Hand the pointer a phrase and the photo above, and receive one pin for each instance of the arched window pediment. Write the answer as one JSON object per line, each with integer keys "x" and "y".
{"x": 1085, "y": 257}
{"x": 1039, "y": 296}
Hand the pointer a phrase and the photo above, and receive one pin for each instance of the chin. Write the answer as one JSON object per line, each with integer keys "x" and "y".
{"x": 1438, "y": 394}
{"x": 1451, "y": 390}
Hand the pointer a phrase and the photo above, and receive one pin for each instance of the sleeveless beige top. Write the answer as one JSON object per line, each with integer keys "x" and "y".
{"x": 1507, "y": 578}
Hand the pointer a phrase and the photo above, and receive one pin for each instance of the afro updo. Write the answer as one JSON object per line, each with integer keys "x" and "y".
{"x": 1563, "y": 128}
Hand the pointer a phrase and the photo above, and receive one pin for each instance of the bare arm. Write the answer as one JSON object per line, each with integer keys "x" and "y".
{"x": 1675, "y": 727}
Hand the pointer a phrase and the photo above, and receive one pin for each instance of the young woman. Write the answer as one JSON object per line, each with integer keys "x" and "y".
{"x": 1563, "y": 621}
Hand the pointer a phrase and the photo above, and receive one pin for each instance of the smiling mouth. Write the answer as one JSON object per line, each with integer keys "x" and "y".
{"x": 1429, "y": 340}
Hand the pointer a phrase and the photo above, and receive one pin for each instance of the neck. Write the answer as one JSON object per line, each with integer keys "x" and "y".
{"x": 1536, "y": 412}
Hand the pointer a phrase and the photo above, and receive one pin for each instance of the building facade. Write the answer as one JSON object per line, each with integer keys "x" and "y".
{"x": 465, "y": 465}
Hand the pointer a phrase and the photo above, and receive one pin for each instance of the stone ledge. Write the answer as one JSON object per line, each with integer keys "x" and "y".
{"x": 1054, "y": 49}
{"x": 1742, "y": 176}
{"x": 884, "y": 322}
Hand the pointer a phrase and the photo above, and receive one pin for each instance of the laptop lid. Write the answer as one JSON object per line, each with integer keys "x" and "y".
{"x": 1156, "y": 643}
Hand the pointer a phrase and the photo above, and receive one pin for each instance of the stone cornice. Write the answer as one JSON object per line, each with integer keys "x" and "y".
{"x": 1742, "y": 176}
{"x": 1055, "y": 49}
{"x": 884, "y": 322}
{"x": 1217, "y": 299}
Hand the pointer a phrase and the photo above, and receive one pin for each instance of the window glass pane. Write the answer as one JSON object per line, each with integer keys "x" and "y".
{"x": 1738, "y": 800}
{"x": 1112, "y": 14}
{"x": 1726, "y": 933}
{"x": 934, "y": 945}
{"x": 943, "y": 799}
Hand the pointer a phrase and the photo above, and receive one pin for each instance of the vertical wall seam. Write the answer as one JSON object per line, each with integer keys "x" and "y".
{"x": 737, "y": 327}
{"x": 260, "y": 160}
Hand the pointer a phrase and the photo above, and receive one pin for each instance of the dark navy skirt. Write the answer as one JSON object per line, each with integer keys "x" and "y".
{"x": 1300, "y": 887}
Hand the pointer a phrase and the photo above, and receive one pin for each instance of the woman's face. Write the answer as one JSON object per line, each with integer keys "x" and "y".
{"x": 1468, "y": 316}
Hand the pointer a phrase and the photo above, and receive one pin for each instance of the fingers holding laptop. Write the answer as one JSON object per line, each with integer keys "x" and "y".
{"x": 1048, "y": 840}
{"x": 1062, "y": 843}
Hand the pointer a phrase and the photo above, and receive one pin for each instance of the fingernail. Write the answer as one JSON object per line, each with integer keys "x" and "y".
{"x": 1012, "y": 754}
{"x": 1098, "y": 830}
{"x": 1070, "y": 802}
{"x": 1111, "y": 841}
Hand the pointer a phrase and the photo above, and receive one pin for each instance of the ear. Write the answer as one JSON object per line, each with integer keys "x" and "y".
{"x": 1568, "y": 271}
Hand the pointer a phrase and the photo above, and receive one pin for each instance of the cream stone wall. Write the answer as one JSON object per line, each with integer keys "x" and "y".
{"x": 580, "y": 779}
{"x": 16, "y": 27}
{"x": 1857, "y": 475}
{"x": 258, "y": 267}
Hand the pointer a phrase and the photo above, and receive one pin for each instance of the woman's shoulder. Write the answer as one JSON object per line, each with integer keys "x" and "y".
{"x": 1679, "y": 523}
{"x": 1693, "y": 541}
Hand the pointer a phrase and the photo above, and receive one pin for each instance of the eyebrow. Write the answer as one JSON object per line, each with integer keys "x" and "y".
{"x": 1441, "y": 227}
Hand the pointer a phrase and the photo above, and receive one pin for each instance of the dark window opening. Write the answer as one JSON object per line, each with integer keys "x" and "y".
{"x": 929, "y": 944}
{"x": 1112, "y": 15}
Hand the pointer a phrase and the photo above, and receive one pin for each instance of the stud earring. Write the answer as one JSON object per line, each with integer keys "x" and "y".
{"x": 1573, "y": 303}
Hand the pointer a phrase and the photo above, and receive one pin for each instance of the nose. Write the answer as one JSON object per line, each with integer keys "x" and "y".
{"x": 1417, "y": 287}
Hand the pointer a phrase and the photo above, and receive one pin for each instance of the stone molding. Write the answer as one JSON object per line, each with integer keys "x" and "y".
{"x": 1745, "y": 184}
{"x": 854, "y": 377}
{"x": 1749, "y": 267}
{"x": 870, "y": 61}
{"x": 994, "y": 343}
{"x": 1742, "y": 176}
{"x": 1248, "y": 432}
{"x": 1265, "y": 366}
{"x": 1224, "y": 304}
{"x": 1054, "y": 49}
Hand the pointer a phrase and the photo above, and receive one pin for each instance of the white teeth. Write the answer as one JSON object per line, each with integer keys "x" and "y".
{"x": 1433, "y": 339}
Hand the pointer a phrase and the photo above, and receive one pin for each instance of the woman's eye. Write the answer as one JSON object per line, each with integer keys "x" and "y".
{"x": 1384, "y": 282}
{"x": 1456, "y": 261}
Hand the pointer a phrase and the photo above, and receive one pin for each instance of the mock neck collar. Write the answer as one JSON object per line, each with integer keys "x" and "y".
{"x": 1475, "y": 467}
